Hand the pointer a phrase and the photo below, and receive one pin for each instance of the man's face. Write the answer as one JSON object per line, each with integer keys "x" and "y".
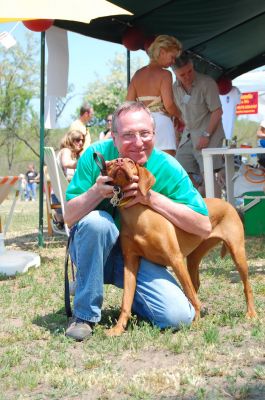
{"x": 134, "y": 137}
{"x": 89, "y": 115}
{"x": 185, "y": 74}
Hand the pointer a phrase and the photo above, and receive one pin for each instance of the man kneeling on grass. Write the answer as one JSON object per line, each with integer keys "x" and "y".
{"x": 95, "y": 247}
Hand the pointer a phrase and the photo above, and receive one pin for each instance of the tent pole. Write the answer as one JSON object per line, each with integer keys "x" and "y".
{"x": 128, "y": 67}
{"x": 42, "y": 91}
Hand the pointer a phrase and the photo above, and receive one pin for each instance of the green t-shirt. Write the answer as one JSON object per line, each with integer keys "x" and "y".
{"x": 171, "y": 179}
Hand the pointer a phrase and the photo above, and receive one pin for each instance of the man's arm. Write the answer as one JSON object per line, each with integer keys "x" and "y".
{"x": 179, "y": 214}
{"x": 80, "y": 206}
{"x": 168, "y": 97}
{"x": 214, "y": 121}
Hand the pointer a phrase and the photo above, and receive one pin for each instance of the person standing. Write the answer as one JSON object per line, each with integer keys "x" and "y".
{"x": 80, "y": 124}
{"x": 152, "y": 85}
{"x": 197, "y": 96}
{"x": 104, "y": 135}
{"x": 32, "y": 178}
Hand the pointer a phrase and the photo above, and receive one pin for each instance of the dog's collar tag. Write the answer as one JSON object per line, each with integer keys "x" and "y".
{"x": 117, "y": 196}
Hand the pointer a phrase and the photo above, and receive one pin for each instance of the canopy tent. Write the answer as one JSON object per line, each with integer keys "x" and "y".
{"x": 225, "y": 37}
{"x": 82, "y": 10}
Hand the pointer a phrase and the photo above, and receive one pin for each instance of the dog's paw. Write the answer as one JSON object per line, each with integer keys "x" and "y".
{"x": 251, "y": 314}
{"x": 116, "y": 331}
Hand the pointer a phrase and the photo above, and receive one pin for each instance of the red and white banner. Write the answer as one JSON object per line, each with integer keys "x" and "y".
{"x": 248, "y": 103}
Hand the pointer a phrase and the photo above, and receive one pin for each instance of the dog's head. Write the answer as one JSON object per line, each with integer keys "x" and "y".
{"x": 122, "y": 171}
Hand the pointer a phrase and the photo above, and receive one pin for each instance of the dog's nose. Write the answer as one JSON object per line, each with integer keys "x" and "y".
{"x": 119, "y": 161}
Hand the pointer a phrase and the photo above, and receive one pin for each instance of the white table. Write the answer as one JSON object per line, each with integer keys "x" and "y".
{"x": 229, "y": 167}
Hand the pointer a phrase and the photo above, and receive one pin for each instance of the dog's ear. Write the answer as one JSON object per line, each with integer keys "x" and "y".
{"x": 146, "y": 179}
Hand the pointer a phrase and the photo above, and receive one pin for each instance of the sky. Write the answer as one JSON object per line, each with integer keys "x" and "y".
{"x": 88, "y": 59}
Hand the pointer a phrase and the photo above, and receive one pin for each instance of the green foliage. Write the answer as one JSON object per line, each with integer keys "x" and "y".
{"x": 245, "y": 131}
{"x": 18, "y": 87}
{"x": 106, "y": 94}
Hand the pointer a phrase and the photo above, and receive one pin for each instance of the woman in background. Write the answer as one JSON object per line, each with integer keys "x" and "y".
{"x": 70, "y": 148}
{"x": 152, "y": 85}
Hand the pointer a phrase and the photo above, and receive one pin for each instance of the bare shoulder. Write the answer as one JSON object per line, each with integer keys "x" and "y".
{"x": 65, "y": 151}
{"x": 166, "y": 74}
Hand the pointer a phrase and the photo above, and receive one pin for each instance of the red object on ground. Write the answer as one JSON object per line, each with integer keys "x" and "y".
{"x": 38, "y": 25}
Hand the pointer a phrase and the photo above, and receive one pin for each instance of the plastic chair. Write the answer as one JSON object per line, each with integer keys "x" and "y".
{"x": 6, "y": 183}
{"x": 13, "y": 261}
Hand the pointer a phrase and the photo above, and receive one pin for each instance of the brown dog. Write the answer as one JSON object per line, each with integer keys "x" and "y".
{"x": 146, "y": 233}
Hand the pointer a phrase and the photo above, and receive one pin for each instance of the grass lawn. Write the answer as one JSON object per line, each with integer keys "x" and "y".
{"x": 221, "y": 357}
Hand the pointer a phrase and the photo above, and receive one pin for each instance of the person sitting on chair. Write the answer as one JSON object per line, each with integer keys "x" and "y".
{"x": 70, "y": 148}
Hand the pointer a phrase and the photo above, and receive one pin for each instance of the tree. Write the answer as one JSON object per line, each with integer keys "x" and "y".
{"x": 18, "y": 87}
{"x": 106, "y": 94}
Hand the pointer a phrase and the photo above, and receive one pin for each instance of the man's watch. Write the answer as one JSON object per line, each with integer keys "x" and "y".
{"x": 206, "y": 134}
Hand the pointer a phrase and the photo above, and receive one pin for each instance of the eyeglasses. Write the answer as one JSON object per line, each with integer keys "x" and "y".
{"x": 77, "y": 140}
{"x": 143, "y": 135}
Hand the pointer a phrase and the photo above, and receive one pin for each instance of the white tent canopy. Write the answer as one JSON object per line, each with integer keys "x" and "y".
{"x": 80, "y": 10}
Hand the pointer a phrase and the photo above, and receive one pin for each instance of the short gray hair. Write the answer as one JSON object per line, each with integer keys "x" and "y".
{"x": 181, "y": 61}
{"x": 129, "y": 106}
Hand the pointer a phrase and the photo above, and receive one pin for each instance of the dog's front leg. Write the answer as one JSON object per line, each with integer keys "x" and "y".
{"x": 131, "y": 266}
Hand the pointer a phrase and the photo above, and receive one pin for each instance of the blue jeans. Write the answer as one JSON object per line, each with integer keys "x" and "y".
{"x": 31, "y": 189}
{"x": 96, "y": 252}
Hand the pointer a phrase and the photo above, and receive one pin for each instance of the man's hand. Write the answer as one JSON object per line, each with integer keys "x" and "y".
{"x": 102, "y": 188}
{"x": 132, "y": 191}
{"x": 203, "y": 142}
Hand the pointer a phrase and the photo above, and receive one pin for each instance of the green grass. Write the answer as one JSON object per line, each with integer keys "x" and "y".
{"x": 220, "y": 357}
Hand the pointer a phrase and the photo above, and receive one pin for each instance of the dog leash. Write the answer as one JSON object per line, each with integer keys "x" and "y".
{"x": 101, "y": 163}
{"x": 117, "y": 193}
